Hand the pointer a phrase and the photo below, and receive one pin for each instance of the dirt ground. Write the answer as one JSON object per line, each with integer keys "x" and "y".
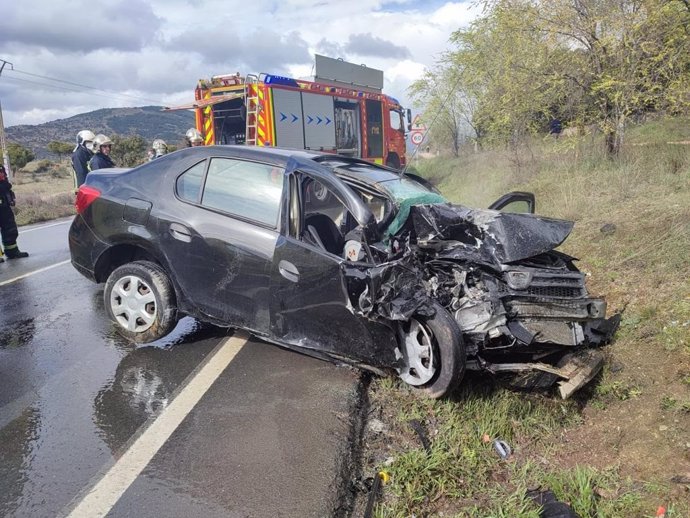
{"x": 637, "y": 434}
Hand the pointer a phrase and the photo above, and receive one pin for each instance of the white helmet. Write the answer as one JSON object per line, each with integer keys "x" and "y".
{"x": 160, "y": 147}
{"x": 193, "y": 135}
{"x": 101, "y": 140}
{"x": 85, "y": 137}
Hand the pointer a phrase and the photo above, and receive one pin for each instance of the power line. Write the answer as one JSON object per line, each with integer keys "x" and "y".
{"x": 66, "y": 89}
{"x": 80, "y": 85}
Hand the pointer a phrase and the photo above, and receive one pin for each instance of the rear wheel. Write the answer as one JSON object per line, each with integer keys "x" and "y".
{"x": 140, "y": 299}
{"x": 431, "y": 353}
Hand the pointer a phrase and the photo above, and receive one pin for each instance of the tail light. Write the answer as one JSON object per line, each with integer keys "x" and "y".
{"x": 86, "y": 195}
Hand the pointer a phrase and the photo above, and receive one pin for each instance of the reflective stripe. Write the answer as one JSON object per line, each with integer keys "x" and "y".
{"x": 261, "y": 128}
{"x": 209, "y": 138}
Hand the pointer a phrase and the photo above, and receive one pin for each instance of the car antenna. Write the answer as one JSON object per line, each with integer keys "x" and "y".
{"x": 433, "y": 121}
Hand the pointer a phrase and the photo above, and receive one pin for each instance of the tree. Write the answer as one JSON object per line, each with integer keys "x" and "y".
{"x": 448, "y": 106}
{"x": 128, "y": 151}
{"x": 586, "y": 61}
{"x": 61, "y": 149}
{"x": 19, "y": 155}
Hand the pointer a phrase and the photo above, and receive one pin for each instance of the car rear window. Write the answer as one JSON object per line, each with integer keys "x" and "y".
{"x": 248, "y": 189}
{"x": 189, "y": 184}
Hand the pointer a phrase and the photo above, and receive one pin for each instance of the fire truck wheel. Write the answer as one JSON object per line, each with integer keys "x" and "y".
{"x": 140, "y": 299}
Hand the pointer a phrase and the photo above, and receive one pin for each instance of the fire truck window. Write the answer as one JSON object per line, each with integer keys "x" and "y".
{"x": 247, "y": 189}
{"x": 374, "y": 129}
{"x": 188, "y": 185}
{"x": 397, "y": 122}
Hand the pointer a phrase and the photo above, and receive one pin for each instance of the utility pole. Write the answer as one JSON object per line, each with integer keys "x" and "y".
{"x": 3, "y": 144}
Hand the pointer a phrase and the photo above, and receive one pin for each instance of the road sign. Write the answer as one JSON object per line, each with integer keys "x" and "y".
{"x": 417, "y": 124}
{"x": 416, "y": 137}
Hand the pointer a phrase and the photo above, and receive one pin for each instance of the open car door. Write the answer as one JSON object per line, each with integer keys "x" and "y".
{"x": 517, "y": 201}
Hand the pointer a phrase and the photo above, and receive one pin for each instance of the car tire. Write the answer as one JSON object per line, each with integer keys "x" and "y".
{"x": 441, "y": 335}
{"x": 140, "y": 299}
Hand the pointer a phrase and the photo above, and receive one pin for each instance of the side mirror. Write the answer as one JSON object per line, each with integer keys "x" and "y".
{"x": 409, "y": 118}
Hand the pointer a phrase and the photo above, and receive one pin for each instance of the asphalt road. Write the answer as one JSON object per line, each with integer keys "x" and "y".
{"x": 206, "y": 422}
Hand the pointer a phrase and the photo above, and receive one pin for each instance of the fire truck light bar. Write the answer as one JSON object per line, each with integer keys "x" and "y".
{"x": 279, "y": 80}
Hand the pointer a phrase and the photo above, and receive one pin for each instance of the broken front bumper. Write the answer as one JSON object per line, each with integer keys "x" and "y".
{"x": 572, "y": 373}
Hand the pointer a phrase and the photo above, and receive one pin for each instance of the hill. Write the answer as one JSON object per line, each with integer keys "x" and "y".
{"x": 148, "y": 121}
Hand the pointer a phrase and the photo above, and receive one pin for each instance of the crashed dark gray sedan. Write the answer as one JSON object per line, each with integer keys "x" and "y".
{"x": 341, "y": 259}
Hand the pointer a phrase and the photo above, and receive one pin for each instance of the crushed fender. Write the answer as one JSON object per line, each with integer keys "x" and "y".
{"x": 521, "y": 305}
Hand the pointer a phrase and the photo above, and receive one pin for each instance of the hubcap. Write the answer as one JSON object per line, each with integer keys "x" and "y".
{"x": 133, "y": 304}
{"x": 416, "y": 356}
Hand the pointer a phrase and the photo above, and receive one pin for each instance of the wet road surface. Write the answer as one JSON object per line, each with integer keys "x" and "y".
{"x": 264, "y": 439}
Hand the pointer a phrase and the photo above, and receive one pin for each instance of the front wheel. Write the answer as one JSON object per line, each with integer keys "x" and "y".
{"x": 431, "y": 353}
{"x": 140, "y": 299}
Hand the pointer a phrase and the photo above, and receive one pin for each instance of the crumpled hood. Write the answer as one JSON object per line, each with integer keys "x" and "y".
{"x": 487, "y": 236}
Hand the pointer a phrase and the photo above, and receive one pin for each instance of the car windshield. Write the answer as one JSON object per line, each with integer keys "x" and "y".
{"x": 407, "y": 193}
{"x": 402, "y": 189}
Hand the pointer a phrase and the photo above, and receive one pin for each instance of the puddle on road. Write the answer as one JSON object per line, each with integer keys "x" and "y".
{"x": 18, "y": 334}
{"x": 146, "y": 378}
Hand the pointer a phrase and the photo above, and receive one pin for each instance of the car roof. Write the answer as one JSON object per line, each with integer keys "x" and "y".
{"x": 354, "y": 169}
{"x": 268, "y": 154}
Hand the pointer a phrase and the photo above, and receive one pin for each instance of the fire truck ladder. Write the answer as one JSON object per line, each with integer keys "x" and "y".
{"x": 252, "y": 104}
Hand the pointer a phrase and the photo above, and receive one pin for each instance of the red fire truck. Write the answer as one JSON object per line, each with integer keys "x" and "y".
{"x": 271, "y": 110}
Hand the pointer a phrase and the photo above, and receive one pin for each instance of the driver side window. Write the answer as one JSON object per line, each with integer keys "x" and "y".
{"x": 324, "y": 218}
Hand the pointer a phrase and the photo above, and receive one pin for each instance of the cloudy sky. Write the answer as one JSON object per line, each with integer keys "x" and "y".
{"x": 114, "y": 53}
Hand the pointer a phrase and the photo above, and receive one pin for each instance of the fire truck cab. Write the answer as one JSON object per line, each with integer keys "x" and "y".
{"x": 331, "y": 116}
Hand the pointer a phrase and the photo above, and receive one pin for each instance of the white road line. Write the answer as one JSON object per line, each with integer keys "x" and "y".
{"x": 24, "y": 231}
{"x": 34, "y": 272}
{"x": 103, "y": 496}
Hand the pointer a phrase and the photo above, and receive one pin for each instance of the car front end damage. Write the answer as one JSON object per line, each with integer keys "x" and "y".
{"x": 521, "y": 306}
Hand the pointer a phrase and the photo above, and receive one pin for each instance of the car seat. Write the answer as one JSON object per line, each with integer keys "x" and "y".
{"x": 327, "y": 233}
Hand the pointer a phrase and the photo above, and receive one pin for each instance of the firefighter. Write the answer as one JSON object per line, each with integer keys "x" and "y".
{"x": 160, "y": 148}
{"x": 101, "y": 158}
{"x": 81, "y": 155}
{"x": 8, "y": 226}
{"x": 193, "y": 138}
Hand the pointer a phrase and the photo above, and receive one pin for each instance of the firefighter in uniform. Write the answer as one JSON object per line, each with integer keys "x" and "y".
{"x": 193, "y": 138}
{"x": 81, "y": 156}
{"x": 101, "y": 158}
{"x": 8, "y": 226}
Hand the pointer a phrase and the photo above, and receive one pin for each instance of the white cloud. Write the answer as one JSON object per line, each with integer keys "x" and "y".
{"x": 138, "y": 52}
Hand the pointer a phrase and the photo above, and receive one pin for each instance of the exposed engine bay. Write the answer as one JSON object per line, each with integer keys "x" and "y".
{"x": 521, "y": 306}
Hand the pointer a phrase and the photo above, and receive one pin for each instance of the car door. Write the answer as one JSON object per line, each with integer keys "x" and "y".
{"x": 220, "y": 241}
{"x": 516, "y": 201}
{"x": 310, "y": 306}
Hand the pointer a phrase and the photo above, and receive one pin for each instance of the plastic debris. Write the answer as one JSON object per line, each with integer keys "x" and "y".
{"x": 550, "y": 506}
{"x": 382, "y": 477}
{"x": 418, "y": 427}
{"x": 502, "y": 448}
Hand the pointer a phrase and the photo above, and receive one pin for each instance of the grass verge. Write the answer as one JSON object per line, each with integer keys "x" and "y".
{"x": 620, "y": 448}
{"x": 44, "y": 191}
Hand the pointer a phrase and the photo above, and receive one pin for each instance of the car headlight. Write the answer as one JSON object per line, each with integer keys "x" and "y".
{"x": 518, "y": 280}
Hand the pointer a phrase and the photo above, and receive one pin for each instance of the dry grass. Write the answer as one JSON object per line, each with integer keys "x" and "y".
{"x": 44, "y": 191}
